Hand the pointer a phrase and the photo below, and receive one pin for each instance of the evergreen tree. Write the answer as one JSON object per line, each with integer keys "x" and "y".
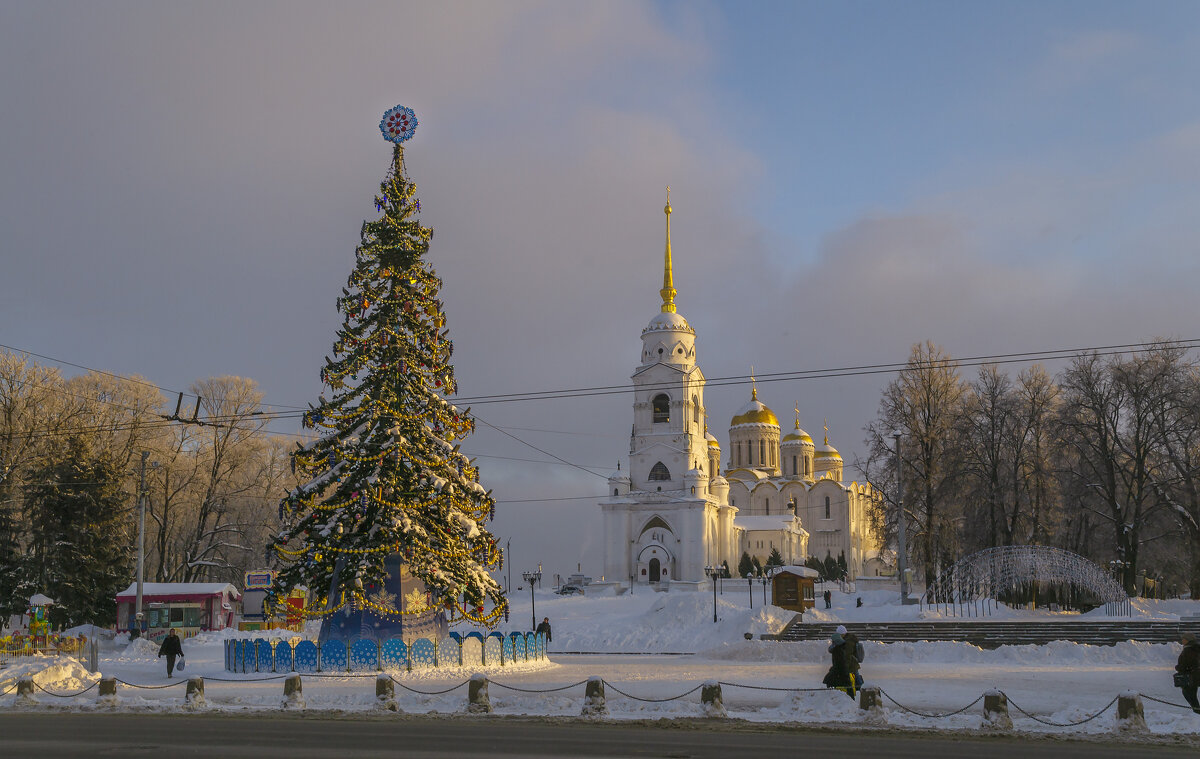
{"x": 725, "y": 569}
{"x": 10, "y": 555}
{"x": 745, "y": 565}
{"x": 843, "y": 569}
{"x": 758, "y": 567}
{"x": 80, "y": 551}
{"x": 775, "y": 559}
{"x": 812, "y": 562}
{"x": 831, "y": 568}
{"x": 386, "y": 474}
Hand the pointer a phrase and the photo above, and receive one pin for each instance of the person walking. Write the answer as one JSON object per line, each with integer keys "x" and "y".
{"x": 1187, "y": 669}
{"x": 171, "y": 649}
{"x": 543, "y": 628}
{"x": 828, "y": 599}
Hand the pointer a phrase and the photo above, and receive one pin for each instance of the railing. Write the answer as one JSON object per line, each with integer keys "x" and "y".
{"x": 18, "y": 646}
{"x": 367, "y": 655}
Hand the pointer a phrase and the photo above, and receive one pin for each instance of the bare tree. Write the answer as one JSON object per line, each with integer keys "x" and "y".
{"x": 1111, "y": 446}
{"x": 923, "y": 402}
{"x": 229, "y": 446}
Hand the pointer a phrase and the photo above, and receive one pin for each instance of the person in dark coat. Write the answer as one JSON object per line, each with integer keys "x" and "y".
{"x": 853, "y": 654}
{"x": 544, "y": 629}
{"x": 828, "y": 599}
{"x": 1189, "y": 664}
{"x": 171, "y": 648}
{"x": 839, "y": 675}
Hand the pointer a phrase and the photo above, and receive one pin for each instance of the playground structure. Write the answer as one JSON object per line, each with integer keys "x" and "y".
{"x": 971, "y": 585}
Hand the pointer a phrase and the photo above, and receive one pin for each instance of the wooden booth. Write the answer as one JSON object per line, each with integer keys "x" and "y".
{"x": 794, "y": 588}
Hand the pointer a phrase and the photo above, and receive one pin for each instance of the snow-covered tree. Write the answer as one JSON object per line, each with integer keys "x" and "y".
{"x": 386, "y": 474}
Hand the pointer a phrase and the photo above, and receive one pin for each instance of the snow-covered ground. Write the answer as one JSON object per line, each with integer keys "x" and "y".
{"x": 660, "y": 645}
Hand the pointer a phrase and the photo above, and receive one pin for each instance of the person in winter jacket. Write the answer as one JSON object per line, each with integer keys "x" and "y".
{"x": 544, "y": 628}
{"x": 171, "y": 648}
{"x": 854, "y": 654}
{"x": 839, "y": 674}
{"x": 1189, "y": 664}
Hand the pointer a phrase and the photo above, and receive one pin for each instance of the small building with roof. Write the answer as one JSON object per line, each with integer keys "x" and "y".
{"x": 189, "y": 607}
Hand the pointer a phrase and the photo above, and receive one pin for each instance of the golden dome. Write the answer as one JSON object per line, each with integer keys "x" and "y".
{"x": 754, "y": 412}
{"x": 798, "y": 434}
{"x": 827, "y": 452}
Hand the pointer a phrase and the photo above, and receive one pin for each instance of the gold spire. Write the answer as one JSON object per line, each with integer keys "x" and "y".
{"x": 668, "y": 289}
{"x": 753, "y": 386}
{"x": 797, "y": 410}
{"x": 826, "y": 431}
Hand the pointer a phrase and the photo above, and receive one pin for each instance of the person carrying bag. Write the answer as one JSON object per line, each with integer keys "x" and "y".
{"x": 171, "y": 649}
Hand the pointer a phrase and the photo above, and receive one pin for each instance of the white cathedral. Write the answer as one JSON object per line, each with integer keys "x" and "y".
{"x": 672, "y": 513}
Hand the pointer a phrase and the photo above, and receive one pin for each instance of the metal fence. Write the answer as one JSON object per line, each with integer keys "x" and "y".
{"x": 22, "y": 646}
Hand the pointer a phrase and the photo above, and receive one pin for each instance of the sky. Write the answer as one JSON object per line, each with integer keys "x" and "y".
{"x": 182, "y": 187}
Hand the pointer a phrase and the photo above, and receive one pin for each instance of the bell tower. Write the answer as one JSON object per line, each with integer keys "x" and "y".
{"x": 668, "y": 406}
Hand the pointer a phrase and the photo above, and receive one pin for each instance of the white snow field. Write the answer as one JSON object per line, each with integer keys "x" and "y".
{"x": 657, "y": 646}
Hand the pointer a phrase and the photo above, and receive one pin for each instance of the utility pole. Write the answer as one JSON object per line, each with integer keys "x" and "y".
{"x": 141, "y": 565}
{"x": 901, "y": 537}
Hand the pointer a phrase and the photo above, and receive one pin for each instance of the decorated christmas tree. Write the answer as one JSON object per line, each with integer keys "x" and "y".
{"x": 390, "y": 525}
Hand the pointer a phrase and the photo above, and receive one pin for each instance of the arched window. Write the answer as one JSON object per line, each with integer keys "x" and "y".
{"x": 762, "y": 453}
{"x": 616, "y": 492}
{"x": 827, "y": 507}
{"x": 662, "y": 408}
{"x": 767, "y": 505}
{"x": 795, "y": 471}
{"x": 695, "y": 410}
{"x": 660, "y": 472}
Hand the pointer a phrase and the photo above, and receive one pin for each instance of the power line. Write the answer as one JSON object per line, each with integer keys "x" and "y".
{"x": 798, "y": 375}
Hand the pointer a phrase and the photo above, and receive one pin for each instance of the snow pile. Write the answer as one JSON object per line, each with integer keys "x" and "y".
{"x": 59, "y": 674}
{"x": 139, "y": 649}
{"x": 662, "y": 622}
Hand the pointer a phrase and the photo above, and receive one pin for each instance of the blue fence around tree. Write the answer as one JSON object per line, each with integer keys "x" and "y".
{"x": 365, "y": 655}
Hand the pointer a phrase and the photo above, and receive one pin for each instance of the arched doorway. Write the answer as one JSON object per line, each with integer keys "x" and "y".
{"x": 655, "y": 570}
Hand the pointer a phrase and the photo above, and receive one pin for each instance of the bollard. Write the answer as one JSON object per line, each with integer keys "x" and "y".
{"x": 710, "y": 697}
{"x": 477, "y": 695}
{"x": 25, "y": 689}
{"x": 593, "y": 698}
{"x": 108, "y": 687}
{"x": 194, "y": 696}
{"x": 385, "y": 693}
{"x": 995, "y": 711}
{"x": 293, "y": 693}
{"x": 1130, "y": 716}
{"x": 871, "y": 701}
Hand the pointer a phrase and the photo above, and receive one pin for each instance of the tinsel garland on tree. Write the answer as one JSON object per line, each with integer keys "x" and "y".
{"x": 387, "y": 475}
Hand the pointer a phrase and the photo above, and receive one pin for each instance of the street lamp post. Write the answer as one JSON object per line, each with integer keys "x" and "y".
{"x": 714, "y": 573}
{"x": 901, "y": 536}
{"x": 531, "y": 578}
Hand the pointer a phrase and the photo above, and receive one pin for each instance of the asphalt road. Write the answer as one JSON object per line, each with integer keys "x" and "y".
{"x": 297, "y": 736}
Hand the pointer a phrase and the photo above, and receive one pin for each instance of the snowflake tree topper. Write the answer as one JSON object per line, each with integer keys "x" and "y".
{"x": 398, "y": 124}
